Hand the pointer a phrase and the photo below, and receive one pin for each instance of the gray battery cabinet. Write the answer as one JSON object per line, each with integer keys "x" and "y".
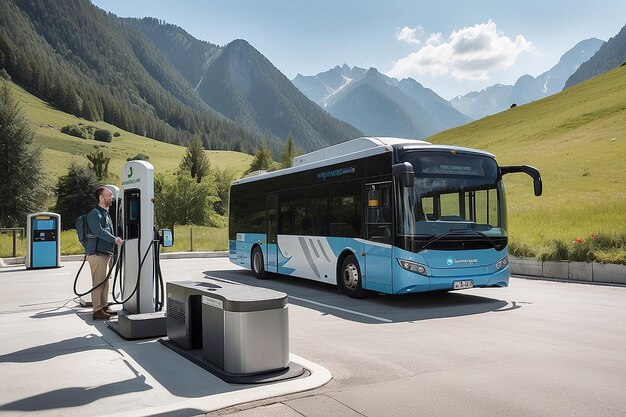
{"x": 238, "y": 332}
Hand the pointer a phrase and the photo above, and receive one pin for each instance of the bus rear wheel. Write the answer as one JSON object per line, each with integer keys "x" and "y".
{"x": 351, "y": 278}
{"x": 258, "y": 266}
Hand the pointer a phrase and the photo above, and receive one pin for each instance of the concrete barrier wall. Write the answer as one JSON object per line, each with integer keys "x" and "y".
{"x": 570, "y": 271}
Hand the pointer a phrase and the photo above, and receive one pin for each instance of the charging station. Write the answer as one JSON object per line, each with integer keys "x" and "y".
{"x": 138, "y": 264}
{"x": 43, "y": 246}
{"x": 138, "y": 214}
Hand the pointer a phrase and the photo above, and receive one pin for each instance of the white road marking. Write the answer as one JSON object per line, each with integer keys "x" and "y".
{"x": 345, "y": 310}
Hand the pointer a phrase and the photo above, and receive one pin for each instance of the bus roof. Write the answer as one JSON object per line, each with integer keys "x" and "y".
{"x": 348, "y": 151}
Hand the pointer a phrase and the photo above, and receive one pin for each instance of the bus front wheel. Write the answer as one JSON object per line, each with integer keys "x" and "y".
{"x": 258, "y": 266}
{"x": 351, "y": 278}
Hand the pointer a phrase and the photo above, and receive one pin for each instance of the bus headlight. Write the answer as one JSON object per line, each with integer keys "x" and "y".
{"x": 502, "y": 263}
{"x": 413, "y": 267}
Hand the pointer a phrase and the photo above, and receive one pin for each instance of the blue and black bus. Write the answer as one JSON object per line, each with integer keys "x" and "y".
{"x": 387, "y": 215}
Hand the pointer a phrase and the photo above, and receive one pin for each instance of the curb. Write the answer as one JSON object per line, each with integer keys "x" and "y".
{"x": 319, "y": 377}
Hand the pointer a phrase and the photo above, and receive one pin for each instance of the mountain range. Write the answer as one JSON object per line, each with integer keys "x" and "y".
{"x": 154, "y": 79}
{"x": 610, "y": 55}
{"x": 380, "y": 105}
{"x": 527, "y": 88}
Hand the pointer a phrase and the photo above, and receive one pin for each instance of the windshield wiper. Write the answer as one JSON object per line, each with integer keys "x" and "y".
{"x": 440, "y": 235}
{"x": 490, "y": 240}
{"x": 461, "y": 232}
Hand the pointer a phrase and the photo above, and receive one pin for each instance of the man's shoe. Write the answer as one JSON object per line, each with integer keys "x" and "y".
{"x": 110, "y": 312}
{"x": 101, "y": 315}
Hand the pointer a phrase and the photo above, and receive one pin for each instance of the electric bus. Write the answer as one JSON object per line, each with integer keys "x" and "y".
{"x": 387, "y": 215}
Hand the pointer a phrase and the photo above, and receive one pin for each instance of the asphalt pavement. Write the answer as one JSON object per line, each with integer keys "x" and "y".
{"x": 537, "y": 348}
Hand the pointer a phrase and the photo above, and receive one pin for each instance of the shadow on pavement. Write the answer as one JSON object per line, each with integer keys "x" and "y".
{"x": 78, "y": 396}
{"x": 377, "y": 309}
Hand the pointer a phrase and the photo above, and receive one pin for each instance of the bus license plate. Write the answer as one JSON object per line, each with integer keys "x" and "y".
{"x": 461, "y": 285}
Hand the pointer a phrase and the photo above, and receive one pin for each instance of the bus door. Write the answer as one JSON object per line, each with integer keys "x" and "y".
{"x": 271, "y": 254}
{"x": 379, "y": 227}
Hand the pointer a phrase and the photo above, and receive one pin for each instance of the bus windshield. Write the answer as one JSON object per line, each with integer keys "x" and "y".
{"x": 456, "y": 202}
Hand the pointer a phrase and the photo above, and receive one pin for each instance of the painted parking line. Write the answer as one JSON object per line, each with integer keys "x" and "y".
{"x": 345, "y": 310}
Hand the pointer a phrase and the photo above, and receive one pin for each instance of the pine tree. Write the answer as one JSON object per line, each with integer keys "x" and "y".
{"x": 195, "y": 160}
{"x": 262, "y": 159}
{"x": 289, "y": 152}
{"x": 20, "y": 164}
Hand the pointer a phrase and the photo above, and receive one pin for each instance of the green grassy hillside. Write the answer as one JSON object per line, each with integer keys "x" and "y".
{"x": 60, "y": 149}
{"x": 577, "y": 139}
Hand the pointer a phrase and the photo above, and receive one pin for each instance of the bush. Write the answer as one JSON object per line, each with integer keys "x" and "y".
{"x": 73, "y": 130}
{"x": 117, "y": 134}
{"x": 596, "y": 247}
{"x": 182, "y": 200}
{"x": 139, "y": 157}
{"x": 103, "y": 135}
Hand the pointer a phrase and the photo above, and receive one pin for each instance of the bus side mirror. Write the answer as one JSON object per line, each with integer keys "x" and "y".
{"x": 404, "y": 173}
{"x": 527, "y": 169}
{"x": 167, "y": 238}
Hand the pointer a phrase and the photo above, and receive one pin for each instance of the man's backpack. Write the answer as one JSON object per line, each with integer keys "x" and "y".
{"x": 83, "y": 232}
{"x": 81, "y": 229}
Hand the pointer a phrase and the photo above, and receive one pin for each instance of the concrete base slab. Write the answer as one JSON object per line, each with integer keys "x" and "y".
{"x": 293, "y": 370}
{"x": 139, "y": 326}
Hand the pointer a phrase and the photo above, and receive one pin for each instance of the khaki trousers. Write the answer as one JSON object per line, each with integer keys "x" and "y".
{"x": 99, "y": 264}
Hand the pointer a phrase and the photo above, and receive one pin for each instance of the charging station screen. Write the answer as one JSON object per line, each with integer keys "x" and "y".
{"x": 133, "y": 210}
{"x": 44, "y": 225}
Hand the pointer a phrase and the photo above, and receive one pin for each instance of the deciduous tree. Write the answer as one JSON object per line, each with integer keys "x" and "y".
{"x": 75, "y": 194}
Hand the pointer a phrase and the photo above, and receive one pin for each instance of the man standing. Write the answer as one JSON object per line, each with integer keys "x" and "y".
{"x": 101, "y": 243}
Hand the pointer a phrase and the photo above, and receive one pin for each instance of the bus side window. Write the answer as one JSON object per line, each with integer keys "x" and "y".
{"x": 379, "y": 213}
{"x": 345, "y": 209}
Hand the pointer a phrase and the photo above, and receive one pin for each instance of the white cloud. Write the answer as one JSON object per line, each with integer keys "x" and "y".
{"x": 408, "y": 35}
{"x": 470, "y": 53}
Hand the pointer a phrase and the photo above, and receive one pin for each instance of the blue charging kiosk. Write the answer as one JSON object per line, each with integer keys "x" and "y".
{"x": 43, "y": 247}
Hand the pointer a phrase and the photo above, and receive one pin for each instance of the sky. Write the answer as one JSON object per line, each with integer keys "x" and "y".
{"x": 451, "y": 47}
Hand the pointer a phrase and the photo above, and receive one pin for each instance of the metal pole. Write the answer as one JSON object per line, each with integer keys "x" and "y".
{"x": 191, "y": 238}
{"x": 14, "y": 245}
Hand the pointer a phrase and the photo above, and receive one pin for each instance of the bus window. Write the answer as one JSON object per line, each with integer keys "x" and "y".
{"x": 449, "y": 207}
{"x": 304, "y": 212}
{"x": 379, "y": 212}
{"x": 345, "y": 209}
